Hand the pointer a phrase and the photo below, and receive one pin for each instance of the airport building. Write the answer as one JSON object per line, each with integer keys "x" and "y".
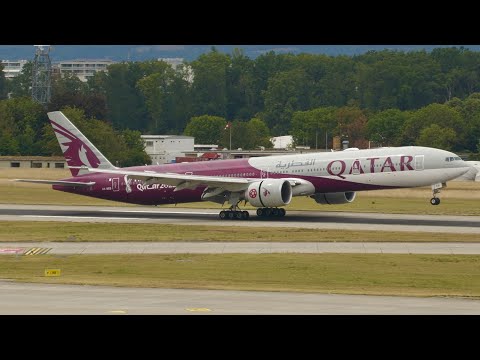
{"x": 163, "y": 149}
{"x": 82, "y": 68}
{"x": 36, "y": 162}
{"x": 12, "y": 68}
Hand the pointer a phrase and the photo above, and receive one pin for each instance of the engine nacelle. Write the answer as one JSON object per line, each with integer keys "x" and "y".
{"x": 269, "y": 192}
{"x": 334, "y": 198}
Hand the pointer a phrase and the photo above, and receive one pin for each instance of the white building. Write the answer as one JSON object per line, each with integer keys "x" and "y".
{"x": 83, "y": 68}
{"x": 12, "y": 68}
{"x": 187, "y": 70}
{"x": 163, "y": 149}
{"x": 172, "y": 61}
{"x": 282, "y": 142}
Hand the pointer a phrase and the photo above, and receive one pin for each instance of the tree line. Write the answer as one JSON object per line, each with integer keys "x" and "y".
{"x": 386, "y": 97}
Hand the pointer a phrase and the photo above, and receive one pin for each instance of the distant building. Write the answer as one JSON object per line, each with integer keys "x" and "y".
{"x": 82, "y": 68}
{"x": 282, "y": 142}
{"x": 12, "y": 68}
{"x": 177, "y": 61}
{"x": 51, "y": 162}
{"x": 172, "y": 61}
{"x": 163, "y": 149}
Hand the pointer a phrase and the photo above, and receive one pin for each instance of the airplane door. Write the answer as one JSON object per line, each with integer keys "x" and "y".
{"x": 419, "y": 162}
{"x": 116, "y": 184}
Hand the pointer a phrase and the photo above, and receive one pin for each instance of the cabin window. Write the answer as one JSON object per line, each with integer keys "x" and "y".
{"x": 36, "y": 165}
{"x": 14, "y": 164}
{"x": 59, "y": 165}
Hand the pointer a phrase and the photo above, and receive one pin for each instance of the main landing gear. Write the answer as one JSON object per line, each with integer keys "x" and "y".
{"x": 271, "y": 212}
{"x": 234, "y": 215}
{"x": 435, "y": 190}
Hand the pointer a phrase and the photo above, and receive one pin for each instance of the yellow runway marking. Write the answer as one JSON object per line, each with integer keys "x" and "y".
{"x": 198, "y": 309}
{"x": 117, "y": 312}
{"x": 37, "y": 251}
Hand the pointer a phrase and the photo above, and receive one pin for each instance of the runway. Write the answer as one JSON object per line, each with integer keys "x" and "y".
{"x": 295, "y": 219}
{"x": 47, "y": 299}
{"x": 198, "y": 247}
{"x": 22, "y": 298}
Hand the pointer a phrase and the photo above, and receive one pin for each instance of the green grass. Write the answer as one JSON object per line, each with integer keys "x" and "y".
{"x": 67, "y": 231}
{"x": 378, "y": 274}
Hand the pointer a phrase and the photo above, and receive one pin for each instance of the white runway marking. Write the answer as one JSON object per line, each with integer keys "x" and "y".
{"x": 76, "y": 217}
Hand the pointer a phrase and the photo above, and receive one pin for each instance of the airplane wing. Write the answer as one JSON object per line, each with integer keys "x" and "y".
{"x": 57, "y": 182}
{"x": 180, "y": 181}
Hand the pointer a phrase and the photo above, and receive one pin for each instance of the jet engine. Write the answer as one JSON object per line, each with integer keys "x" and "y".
{"x": 334, "y": 198}
{"x": 269, "y": 193}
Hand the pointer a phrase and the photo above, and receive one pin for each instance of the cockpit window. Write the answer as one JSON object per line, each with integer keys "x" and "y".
{"x": 453, "y": 158}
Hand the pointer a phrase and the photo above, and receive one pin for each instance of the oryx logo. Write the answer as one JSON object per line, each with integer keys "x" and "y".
{"x": 252, "y": 193}
{"x": 76, "y": 152}
{"x": 266, "y": 193}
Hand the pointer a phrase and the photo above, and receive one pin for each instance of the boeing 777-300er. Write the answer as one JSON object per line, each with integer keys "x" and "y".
{"x": 267, "y": 183}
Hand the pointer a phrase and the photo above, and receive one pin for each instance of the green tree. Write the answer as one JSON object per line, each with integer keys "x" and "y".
{"x": 155, "y": 89}
{"x": 69, "y": 90}
{"x": 352, "y": 126}
{"x": 287, "y": 92}
{"x": 206, "y": 129}
{"x": 309, "y": 127}
{"x": 22, "y": 119}
{"x": 240, "y": 87}
{"x": 136, "y": 154}
{"x": 3, "y": 84}
{"x": 209, "y": 89}
{"x": 125, "y": 103}
{"x": 385, "y": 127}
{"x": 21, "y": 85}
{"x": 437, "y": 137}
{"x": 8, "y": 144}
{"x": 258, "y": 134}
{"x": 440, "y": 114}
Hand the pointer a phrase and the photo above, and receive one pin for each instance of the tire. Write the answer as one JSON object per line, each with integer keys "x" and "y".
{"x": 245, "y": 215}
{"x": 282, "y": 212}
{"x": 222, "y": 215}
{"x": 268, "y": 212}
{"x": 231, "y": 215}
{"x": 238, "y": 215}
{"x": 275, "y": 212}
{"x": 438, "y": 201}
{"x": 260, "y": 212}
{"x": 433, "y": 201}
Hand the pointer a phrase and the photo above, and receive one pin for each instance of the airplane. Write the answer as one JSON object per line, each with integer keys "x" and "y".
{"x": 268, "y": 183}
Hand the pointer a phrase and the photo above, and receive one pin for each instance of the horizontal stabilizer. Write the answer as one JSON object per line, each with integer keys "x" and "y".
{"x": 57, "y": 182}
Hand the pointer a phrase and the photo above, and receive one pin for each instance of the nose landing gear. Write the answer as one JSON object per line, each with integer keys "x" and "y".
{"x": 435, "y": 190}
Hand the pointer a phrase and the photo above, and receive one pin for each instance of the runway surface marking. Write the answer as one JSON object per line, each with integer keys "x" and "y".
{"x": 142, "y": 247}
{"x": 37, "y": 251}
{"x": 198, "y": 309}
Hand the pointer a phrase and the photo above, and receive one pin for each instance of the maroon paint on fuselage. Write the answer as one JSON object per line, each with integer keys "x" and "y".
{"x": 156, "y": 195}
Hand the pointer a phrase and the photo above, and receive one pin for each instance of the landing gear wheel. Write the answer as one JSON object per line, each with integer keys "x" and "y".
{"x": 245, "y": 215}
{"x": 275, "y": 212}
{"x": 222, "y": 215}
{"x": 231, "y": 215}
{"x": 282, "y": 212}
{"x": 260, "y": 212}
{"x": 238, "y": 215}
{"x": 434, "y": 201}
{"x": 267, "y": 212}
